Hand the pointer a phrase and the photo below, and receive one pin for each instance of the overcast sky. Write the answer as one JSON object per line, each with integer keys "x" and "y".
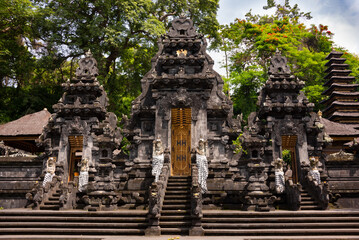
{"x": 341, "y": 17}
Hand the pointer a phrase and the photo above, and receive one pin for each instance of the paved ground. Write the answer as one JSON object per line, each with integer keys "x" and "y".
{"x": 12, "y": 237}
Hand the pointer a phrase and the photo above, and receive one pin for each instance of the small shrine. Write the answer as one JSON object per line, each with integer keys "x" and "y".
{"x": 285, "y": 121}
{"x": 79, "y": 140}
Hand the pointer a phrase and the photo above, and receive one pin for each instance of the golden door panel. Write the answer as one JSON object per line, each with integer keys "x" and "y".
{"x": 181, "y": 142}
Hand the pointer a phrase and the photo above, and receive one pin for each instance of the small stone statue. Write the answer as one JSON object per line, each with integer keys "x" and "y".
{"x": 157, "y": 158}
{"x": 314, "y": 172}
{"x": 84, "y": 173}
{"x": 279, "y": 175}
{"x": 50, "y": 170}
{"x": 202, "y": 164}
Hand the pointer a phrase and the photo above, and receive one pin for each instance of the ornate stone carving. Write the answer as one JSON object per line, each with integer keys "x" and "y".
{"x": 340, "y": 156}
{"x": 87, "y": 66}
{"x": 278, "y": 65}
{"x": 182, "y": 27}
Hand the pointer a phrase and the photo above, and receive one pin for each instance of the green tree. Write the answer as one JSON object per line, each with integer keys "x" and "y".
{"x": 42, "y": 40}
{"x": 15, "y": 31}
{"x": 122, "y": 36}
{"x": 253, "y": 40}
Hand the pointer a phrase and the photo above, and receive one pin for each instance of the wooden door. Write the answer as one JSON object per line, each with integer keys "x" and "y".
{"x": 181, "y": 142}
{"x": 76, "y": 145}
{"x": 290, "y": 143}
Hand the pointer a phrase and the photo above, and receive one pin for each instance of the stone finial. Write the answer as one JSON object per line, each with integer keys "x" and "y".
{"x": 87, "y": 66}
{"x": 278, "y": 65}
{"x": 88, "y": 54}
{"x": 182, "y": 27}
{"x": 320, "y": 114}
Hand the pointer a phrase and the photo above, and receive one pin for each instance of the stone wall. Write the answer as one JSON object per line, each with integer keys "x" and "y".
{"x": 343, "y": 180}
{"x": 17, "y": 177}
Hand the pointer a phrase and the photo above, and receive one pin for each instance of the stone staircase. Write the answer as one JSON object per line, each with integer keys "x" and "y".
{"x": 42, "y": 222}
{"x": 281, "y": 223}
{"x": 176, "y": 210}
{"x": 53, "y": 202}
{"x": 307, "y": 201}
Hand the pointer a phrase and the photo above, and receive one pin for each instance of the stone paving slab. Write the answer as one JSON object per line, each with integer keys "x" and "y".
{"x": 56, "y": 237}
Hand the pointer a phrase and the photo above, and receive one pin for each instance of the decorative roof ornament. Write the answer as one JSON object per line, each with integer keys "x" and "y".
{"x": 87, "y": 66}
{"x": 278, "y": 65}
{"x": 182, "y": 27}
{"x": 320, "y": 114}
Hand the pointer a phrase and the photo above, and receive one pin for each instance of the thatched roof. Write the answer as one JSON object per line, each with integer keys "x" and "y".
{"x": 31, "y": 124}
{"x": 339, "y": 129}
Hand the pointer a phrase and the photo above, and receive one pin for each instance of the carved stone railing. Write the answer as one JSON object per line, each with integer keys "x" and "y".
{"x": 319, "y": 191}
{"x": 156, "y": 197}
{"x": 293, "y": 194}
{"x": 68, "y": 195}
{"x": 43, "y": 193}
{"x": 196, "y": 202}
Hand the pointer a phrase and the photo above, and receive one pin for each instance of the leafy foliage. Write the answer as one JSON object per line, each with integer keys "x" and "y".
{"x": 252, "y": 41}
{"x": 41, "y": 41}
{"x": 287, "y": 156}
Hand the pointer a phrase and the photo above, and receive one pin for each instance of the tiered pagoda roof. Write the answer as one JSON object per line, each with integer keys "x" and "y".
{"x": 342, "y": 104}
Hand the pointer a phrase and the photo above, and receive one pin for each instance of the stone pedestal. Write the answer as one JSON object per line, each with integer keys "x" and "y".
{"x": 258, "y": 198}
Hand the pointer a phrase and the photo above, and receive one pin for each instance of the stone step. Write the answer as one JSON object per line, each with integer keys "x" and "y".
{"x": 279, "y": 225}
{"x": 175, "y": 218}
{"x": 310, "y": 207}
{"x": 50, "y": 207}
{"x": 54, "y": 198}
{"x": 283, "y": 232}
{"x": 176, "y": 201}
{"x": 180, "y": 177}
{"x": 314, "y": 203}
{"x": 75, "y": 213}
{"x": 307, "y": 199}
{"x": 177, "y": 188}
{"x": 185, "y": 180}
{"x": 71, "y": 225}
{"x": 276, "y": 214}
{"x": 176, "y": 196}
{"x": 167, "y": 231}
{"x": 71, "y": 219}
{"x": 176, "y": 207}
{"x": 274, "y": 219}
{"x": 51, "y": 202}
{"x": 72, "y": 231}
{"x": 175, "y": 212}
{"x": 175, "y": 224}
{"x": 179, "y": 184}
{"x": 172, "y": 192}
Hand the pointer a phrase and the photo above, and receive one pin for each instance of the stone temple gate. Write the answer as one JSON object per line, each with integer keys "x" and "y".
{"x": 182, "y": 159}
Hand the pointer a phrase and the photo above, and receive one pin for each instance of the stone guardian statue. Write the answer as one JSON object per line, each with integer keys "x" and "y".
{"x": 314, "y": 172}
{"x": 202, "y": 164}
{"x": 279, "y": 175}
{"x": 50, "y": 170}
{"x": 157, "y": 158}
{"x": 84, "y": 174}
